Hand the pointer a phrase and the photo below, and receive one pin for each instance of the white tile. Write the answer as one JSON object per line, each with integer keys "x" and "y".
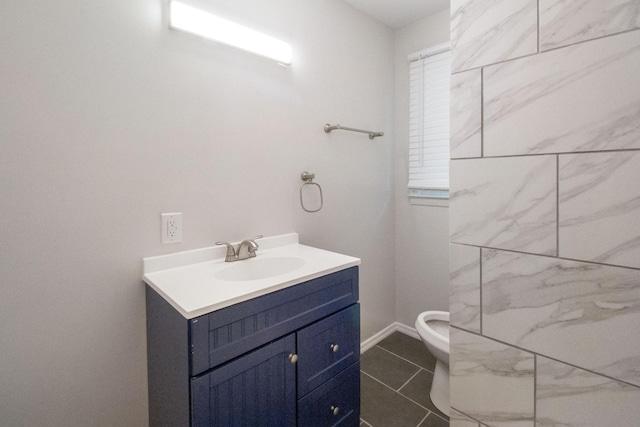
{"x": 466, "y": 114}
{"x": 506, "y": 203}
{"x": 488, "y": 31}
{"x": 572, "y": 311}
{"x": 566, "y": 22}
{"x": 567, "y": 396}
{"x": 584, "y": 97}
{"x": 599, "y": 209}
{"x": 464, "y": 287}
{"x": 490, "y": 381}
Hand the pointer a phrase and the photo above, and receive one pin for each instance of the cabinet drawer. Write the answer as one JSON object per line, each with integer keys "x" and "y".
{"x": 227, "y": 333}
{"x": 328, "y": 347}
{"x": 318, "y": 408}
{"x": 257, "y": 389}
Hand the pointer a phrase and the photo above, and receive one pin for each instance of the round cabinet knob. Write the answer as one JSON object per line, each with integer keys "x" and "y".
{"x": 334, "y": 348}
{"x": 335, "y": 410}
{"x": 293, "y": 358}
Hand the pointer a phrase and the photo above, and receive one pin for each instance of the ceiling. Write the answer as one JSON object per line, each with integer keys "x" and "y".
{"x": 398, "y": 13}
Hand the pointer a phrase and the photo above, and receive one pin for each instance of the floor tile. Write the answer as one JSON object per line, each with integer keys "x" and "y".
{"x": 434, "y": 421}
{"x": 382, "y": 407}
{"x": 387, "y": 368}
{"x": 418, "y": 390}
{"x": 395, "y": 357}
{"x": 409, "y": 348}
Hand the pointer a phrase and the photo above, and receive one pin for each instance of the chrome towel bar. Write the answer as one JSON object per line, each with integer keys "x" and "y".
{"x": 328, "y": 128}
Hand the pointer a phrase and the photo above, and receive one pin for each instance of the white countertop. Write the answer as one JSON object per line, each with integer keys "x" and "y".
{"x": 190, "y": 281}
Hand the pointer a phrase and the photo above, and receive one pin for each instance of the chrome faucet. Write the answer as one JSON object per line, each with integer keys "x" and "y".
{"x": 246, "y": 249}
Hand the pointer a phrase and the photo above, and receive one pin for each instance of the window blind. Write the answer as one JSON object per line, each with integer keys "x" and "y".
{"x": 429, "y": 121}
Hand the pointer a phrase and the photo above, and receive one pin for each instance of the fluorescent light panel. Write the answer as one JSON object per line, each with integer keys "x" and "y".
{"x": 196, "y": 21}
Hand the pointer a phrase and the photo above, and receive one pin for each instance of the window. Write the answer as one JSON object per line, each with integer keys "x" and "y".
{"x": 429, "y": 75}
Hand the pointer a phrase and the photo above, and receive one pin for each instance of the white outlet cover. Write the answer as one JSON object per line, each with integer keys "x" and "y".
{"x": 171, "y": 227}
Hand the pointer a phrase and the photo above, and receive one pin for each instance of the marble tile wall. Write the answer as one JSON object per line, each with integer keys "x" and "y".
{"x": 569, "y": 396}
{"x": 464, "y": 287}
{"x": 488, "y": 31}
{"x": 567, "y": 22}
{"x": 577, "y": 98}
{"x": 555, "y": 307}
{"x": 466, "y": 127}
{"x": 507, "y": 203}
{"x": 491, "y": 381}
{"x": 545, "y": 213}
{"x": 600, "y": 202}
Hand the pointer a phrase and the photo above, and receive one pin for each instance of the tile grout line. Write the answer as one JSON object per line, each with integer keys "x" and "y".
{"x": 424, "y": 418}
{"x": 538, "y": 26}
{"x": 429, "y": 411}
{"x": 533, "y": 353}
{"x": 408, "y": 381}
{"x": 535, "y": 389}
{"x": 436, "y": 415}
{"x": 551, "y": 153}
{"x": 374, "y": 378}
{"x": 480, "y": 262}
{"x": 558, "y": 205}
{"x": 529, "y": 55}
{"x": 546, "y": 256}
{"x": 406, "y": 360}
{"x": 365, "y": 421}
{"x": 482, "y": 142}
{"x": 398, "y": 393}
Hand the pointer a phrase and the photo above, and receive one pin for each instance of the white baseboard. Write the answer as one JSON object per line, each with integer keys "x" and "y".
{"x": 394, "y": 327}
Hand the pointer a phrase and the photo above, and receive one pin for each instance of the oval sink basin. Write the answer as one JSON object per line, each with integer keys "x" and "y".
{"x": 259, "y": 268}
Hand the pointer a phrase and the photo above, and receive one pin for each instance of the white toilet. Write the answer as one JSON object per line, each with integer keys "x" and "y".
{"x": 433, "y": 327}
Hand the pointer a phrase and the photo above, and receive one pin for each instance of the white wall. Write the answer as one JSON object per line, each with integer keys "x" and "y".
{"x": 107, "y": 119}
{"x": 422, "y": 236}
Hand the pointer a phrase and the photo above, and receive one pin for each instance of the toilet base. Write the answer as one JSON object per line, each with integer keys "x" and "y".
{"x": 440, "y": 387}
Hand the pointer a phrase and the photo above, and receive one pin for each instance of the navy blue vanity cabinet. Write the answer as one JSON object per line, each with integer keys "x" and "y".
{"x": 287, "y": 358}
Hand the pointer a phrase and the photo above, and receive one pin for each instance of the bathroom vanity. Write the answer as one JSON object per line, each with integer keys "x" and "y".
{"x": 277, "y": 345}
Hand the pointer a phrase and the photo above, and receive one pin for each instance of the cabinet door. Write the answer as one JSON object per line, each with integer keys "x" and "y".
{"x": 257, "y": 389}
{"x": 328, "y": 347}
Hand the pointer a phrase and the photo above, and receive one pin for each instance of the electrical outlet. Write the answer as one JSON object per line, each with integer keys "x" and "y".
{"x": 171, "y": 227}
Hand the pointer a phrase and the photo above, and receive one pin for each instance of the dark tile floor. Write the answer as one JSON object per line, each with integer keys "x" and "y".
{"x": 396, "y": 377}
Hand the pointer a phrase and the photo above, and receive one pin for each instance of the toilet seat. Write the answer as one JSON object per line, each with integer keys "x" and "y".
{"x": 433, "y": 328}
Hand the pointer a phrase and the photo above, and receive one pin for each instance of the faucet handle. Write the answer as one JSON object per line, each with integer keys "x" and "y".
{"x": 231, "y": 251}
{"x": 253, "y": 239}
{"x": 253, "y": 248}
